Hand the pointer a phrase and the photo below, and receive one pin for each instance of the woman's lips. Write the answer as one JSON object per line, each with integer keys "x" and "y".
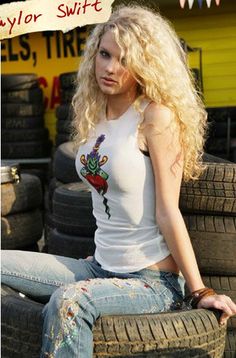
{"x": 108, "y": 81}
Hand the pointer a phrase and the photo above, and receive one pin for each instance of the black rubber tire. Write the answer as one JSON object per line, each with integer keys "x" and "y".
{"x": 225, "y": 285}
{"x": 62, "y": 138}
{"x": 33, "y": 96}
{"x": 64, "y": 126}
{"x": 217, "y": 145}
{"x": 72, "y": 210}
{"x": 219, "y": 129}
{"x": 213, "y": 159}
{"x": 234, "y": 155}
{"x": 213, "y": 192}
{"x": 66, "y": 96}
{"x": 70, "y": 245}
{"x": 53, "y": 184}
{"x": 220, "y": 172}
{"x": 64, "y": 112}
{"x": 19, "y": 81}
{"x": 21, "y": 229}
{"x": 34, "y": 247}
{"x": 208, "y": 197}
{"x": 214, "y": 243}
{"x": 24, "y": 135}
{"x": 193, "y": 333}
{"x": 48, "y": 226}
{"x": 230, "y": 346}
{"x": 177, "y": 334}
{"x": 223, "y": 155}
{"x": 22, "y": 110}
{"x": 49, "y": 220}
{"x": 23, "y": 196}
{"x": 46, "y": 200}
{"x": 21, "y": 150}
{"x": 22, "y": 122}
{"x": 208, "y": 188}
{"x": 41, "y": 173}
{"x": 67, "y": 80}
{"x": 64, "y": 163}
{"x": 21, "y": 325}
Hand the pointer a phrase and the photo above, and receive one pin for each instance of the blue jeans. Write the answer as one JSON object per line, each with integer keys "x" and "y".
{"x": 79, "y": 291}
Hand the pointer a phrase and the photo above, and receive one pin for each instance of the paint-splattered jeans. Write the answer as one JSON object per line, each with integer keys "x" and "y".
{"x": 87, "y": 292}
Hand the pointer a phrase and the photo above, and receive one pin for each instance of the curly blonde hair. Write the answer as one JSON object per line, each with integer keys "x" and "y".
{"x": 156, "y": 59}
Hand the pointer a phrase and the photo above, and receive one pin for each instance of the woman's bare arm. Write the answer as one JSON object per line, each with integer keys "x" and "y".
{"x": 164, "y": 150}
{"x": 167, "y": 162}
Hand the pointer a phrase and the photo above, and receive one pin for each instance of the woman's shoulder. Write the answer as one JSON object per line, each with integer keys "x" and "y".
{"x": 158, "y": 115}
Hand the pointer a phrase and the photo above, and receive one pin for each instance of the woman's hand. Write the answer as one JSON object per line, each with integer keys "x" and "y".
{"x": 221, "y": 302}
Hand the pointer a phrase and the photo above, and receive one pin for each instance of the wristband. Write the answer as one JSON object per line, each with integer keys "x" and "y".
{"x": 197, "y": 295}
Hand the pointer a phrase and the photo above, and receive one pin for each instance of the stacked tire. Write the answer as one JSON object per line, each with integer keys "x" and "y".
{"x": 64, "y": 112}
{"x": 209, "y": 211}
{"x": 23, "y": 131}
{"x": 63, "y": 170}
{"x": 21, "y": 214}
{"x": 182, "y": 333}
{"x": 222, "y": 132}
{"x": 70, "y": 223}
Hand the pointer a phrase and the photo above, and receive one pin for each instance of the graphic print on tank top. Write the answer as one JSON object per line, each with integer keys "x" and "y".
{"x": 93, "y": 173}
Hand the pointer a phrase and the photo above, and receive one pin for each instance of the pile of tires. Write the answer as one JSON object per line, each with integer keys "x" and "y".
{"x": 182, "y": 333}
{"x": 23, "y": 131}
{"x": 208, "y": 206}
{"x": 70, "y": 225}
{"x": 21, "y": 211}
{"x": 64, "y": 112}
{"x": 222, "y": 132}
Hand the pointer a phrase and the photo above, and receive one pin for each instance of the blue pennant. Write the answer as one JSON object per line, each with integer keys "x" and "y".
{"x": 200, "y": 3}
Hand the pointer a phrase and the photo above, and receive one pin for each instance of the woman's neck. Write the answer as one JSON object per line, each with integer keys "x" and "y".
{"x": 117, "y": 105}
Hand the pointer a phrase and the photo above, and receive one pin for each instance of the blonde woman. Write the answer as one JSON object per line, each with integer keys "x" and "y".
{"x": 140, "y": 128}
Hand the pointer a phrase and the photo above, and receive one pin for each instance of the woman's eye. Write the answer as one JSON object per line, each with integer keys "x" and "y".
{"x": 104, "y": 53}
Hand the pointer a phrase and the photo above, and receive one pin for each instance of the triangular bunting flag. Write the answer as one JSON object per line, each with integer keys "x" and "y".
{"x": 190, "y": 3}
{"x": 182, "y": 3}
{"x": 200, "y": 3}
{"x": 208, "y": 3}
{"x": 217, "y": 2}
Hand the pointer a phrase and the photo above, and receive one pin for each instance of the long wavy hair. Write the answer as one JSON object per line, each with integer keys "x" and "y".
{"x": 156, "y": 59}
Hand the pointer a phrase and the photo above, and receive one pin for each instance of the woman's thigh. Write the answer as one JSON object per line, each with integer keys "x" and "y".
{"x": 74, "y": 308}
{"x": 104, "y": 296}
{"x": 40, "y": 274}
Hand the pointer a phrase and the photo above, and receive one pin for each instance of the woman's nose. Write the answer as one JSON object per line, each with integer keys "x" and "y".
{"x": 111, "y": 66}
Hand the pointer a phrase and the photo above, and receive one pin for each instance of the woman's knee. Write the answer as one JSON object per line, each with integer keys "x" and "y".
{"x": 71, "y": 301}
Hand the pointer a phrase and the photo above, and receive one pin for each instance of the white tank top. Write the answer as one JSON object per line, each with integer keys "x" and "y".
{"x": 123, "y": 194}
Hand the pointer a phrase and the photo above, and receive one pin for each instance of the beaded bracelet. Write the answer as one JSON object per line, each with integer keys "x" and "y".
{"x": 197, "y": 295}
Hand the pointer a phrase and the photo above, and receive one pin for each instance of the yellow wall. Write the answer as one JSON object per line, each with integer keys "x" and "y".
{"x": 214, "y": 30}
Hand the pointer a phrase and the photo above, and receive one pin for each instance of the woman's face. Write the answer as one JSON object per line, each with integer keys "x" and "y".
{"x": 112, "y": 77}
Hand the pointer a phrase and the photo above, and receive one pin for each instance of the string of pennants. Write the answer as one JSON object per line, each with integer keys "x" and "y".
{"x": 190, "y": 3}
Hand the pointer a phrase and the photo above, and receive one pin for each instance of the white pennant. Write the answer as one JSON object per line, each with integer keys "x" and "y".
{"x": 190, "y": 3}
{"x": 208, "y": 3}
{"x": 182, "y": 3}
